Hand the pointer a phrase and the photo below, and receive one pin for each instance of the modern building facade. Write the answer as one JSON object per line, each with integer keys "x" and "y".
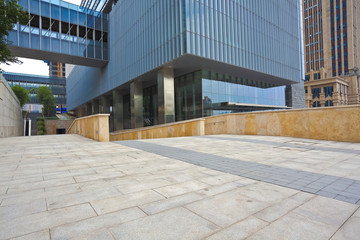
{"x": 30, "y": 82}
{"x": 184, "y": 59}
{"x": 332, "y": 52}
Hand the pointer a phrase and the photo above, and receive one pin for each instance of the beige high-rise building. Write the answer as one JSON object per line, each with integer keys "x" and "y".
{"x": 332, "y": 52}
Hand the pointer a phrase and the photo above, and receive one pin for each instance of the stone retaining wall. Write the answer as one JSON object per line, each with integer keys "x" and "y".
{"x": 11, "y": 120}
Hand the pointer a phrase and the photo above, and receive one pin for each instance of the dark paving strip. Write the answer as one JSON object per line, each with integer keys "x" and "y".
{"x": 344, "y": 189}
{"x": 291, "y": 145}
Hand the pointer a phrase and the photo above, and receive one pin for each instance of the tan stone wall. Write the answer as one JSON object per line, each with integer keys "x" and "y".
{"x": 95, "y": 127}
{"x": 52, "y": 125}
{"x": 11, "y": 120}
{"x": 330, "y": 123}
{"x": 179, "y": 129}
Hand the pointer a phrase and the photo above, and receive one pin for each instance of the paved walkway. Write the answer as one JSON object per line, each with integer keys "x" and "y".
{"x": 69, "y": 187}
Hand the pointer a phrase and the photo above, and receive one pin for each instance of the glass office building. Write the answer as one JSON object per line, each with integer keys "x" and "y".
{"x": 172, "y": 60}
{"x": 33, "y": 82}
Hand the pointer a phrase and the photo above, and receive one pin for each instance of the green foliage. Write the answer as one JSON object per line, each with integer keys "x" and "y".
{"x": 46, "y": 98}
{"x": 21, "y": 93}
{"x": 40, "y": 125}
{"x": 10, "y": 13}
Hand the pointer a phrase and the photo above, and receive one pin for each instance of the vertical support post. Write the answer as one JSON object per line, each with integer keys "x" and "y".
{"x": 104, "y": 104}
{"x": 166, "y": 95}
{"x": 118, "y": 110}
{"x": 136, "y": 104}
{"x": 95, "y": 107}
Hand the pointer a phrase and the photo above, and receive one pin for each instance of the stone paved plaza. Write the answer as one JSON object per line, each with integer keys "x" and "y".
{"x": 212, "y": 187}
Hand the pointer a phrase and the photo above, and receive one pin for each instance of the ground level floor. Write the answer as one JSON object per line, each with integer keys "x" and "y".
{"x": 210, "y": 187}
{"x": 198, "y": 94}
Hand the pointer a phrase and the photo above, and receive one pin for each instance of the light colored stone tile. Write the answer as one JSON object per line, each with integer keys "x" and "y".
{"x": 181, "y": 188}
{"x": 39, "y": 221}
{"x": 3, "y": 190}
{"x": 125, "y": 201}
{"x": 42, "y": 184}
{"x": 239, "y": 230}
{"x": 214, "y": 190}
{"x": 227, "y": 208}
{"x": 267, "y": 192}
{"x": 103, "y": 234}
{"x": 294, "y": 226}
{"x": 83, "y": 227}
{"x": 220, "y": 179}
{"x": 349, "y": 231}
{"x": 326, "y": 210}
{"x": 178, "y": 223}
{"x": 278, "y": 210}
{"x": 177, "y": 201}
{"x": 41, "y": 235}
{"x": 18, "y": 210}
{"x": 86, "y": 178}
{"x": 136, "y": 186}
{"x": 81, "y": 197}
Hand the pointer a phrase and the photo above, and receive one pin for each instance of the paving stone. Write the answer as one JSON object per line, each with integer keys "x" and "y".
{"x": 220, "y": 179}
{"x": 83, "y": 227}
{"x": 294, "y": 226}
{"x": 239, "y": 230}
{"x": 41, "y": 235}
{"x": 81, "y": 197}
{"x": 42, "y": 184}
{"x": 177, "y": 201}
{"x": 349, "y": 231}
{"x": 278, "y": 210}
{"x": 326, "y": 210}
{"x": 347, "y": 199}
{"x": 102, "y": 234}
{"x": 178, "y": 223}
{"x": 227, "y": 208}
{"x": 10, "y": 212}
{"x": 181, "y": 188}
{"x": 125, "y": 201}
{"x": 35, "y": 222}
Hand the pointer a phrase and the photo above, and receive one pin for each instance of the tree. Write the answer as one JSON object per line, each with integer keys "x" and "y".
{"x": 46, "y": 98}
{"x": 21, "y": 93}
{"x": 10, "y": 13}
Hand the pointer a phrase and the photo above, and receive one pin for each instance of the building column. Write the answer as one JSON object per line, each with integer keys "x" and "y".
{"x": 166, "y": 95}
{"x": 88, "y": 110}
{"x": 104, "y": 104}
{"x": 136, "y": 104}
{"x": 118, "y": 110}
{"x": 95, "y": 107}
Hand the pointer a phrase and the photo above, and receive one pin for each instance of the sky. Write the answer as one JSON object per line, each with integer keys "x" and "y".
{"x": 31, "y": 66}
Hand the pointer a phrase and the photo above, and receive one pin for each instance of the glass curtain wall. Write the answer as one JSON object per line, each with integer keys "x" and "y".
{"x": 196, "y": 94}
{"x": 61, "y": 27}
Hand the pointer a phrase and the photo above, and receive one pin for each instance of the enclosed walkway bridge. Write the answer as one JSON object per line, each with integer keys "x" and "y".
{"x": 59, "y": 31}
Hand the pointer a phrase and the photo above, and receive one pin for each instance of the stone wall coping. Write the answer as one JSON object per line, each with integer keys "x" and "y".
{"x": 287, "y": 110}
{"x": 90, "y": 116}
{"x": 156, "y": 126}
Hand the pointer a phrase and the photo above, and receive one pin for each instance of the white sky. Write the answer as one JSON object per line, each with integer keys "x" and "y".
{"x": 30, "y": 66}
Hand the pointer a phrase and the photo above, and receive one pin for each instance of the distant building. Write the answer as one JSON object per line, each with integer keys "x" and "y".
{"x": 56, "y": 69}
{"x": 332, "y": 52}
{"x": 29, "y": 82}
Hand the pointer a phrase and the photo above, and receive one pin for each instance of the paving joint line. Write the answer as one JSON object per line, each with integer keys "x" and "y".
{"x": 283, "y": 176}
